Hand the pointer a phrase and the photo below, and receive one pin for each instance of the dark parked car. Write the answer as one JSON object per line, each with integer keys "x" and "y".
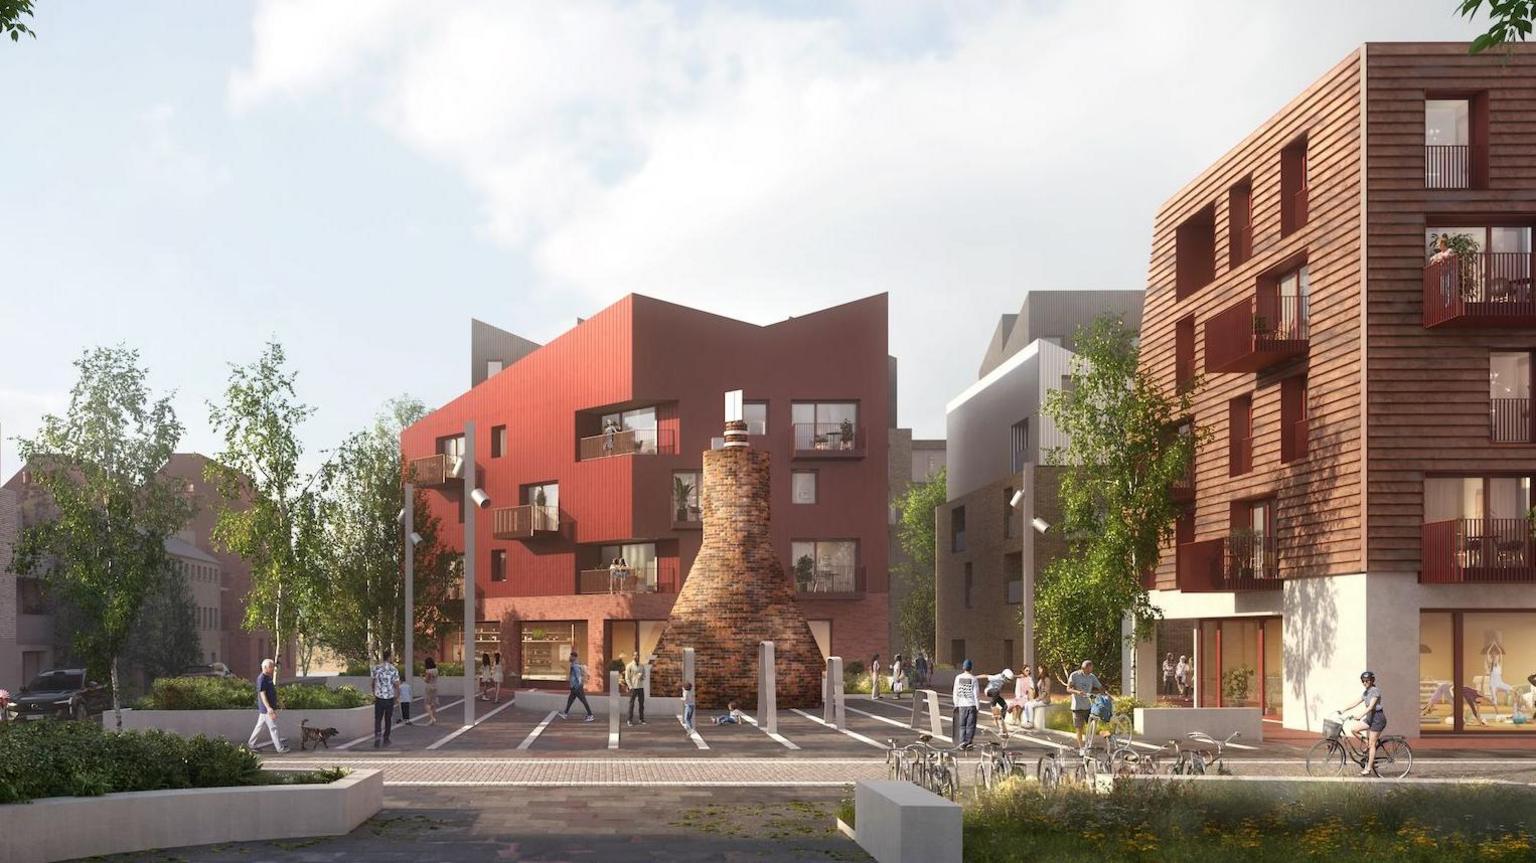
{"x": 63, "y": 693}
{"x": 217, "y": 669}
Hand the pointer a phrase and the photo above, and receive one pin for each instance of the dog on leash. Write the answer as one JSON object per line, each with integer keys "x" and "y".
{"x": 318, "y": 736}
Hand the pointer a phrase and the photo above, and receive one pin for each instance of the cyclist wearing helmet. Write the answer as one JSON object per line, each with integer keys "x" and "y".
{"x": 1371, "y": 722}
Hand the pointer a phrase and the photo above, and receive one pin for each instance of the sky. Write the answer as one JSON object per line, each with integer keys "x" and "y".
{"x": 358, "y": 179}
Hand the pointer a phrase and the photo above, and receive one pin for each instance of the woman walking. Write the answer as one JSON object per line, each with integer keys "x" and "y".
{"x": 898, "y": 680}
{"x": 430, "y": 676}
{"x": 1181, "y": 676}
{"x": 497, "y": 676}
{"x": 874, "y": 676}
{"x": 485, "y": 677}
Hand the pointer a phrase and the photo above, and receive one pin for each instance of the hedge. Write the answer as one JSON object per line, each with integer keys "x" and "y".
{"x": 80, "y": 759}
{"x": 232, "y": 693}
{"x": 444, "y": 669}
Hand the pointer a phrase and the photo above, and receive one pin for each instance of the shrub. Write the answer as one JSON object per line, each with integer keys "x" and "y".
{"x": 300, "y": 696}
{"x": 80, "y": 759}
{"x": 229, "y": 693}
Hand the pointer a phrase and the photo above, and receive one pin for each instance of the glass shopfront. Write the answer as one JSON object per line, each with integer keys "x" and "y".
{"x": 628, "y": 637}
{"x": 547, "y": 649}
{"x": 1227, "y": 662}
{"x": 1477, "y": 671}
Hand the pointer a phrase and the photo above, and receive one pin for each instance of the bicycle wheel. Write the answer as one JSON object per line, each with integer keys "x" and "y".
{"x": 892, "y": 765}
{"x": 1394, "y": 758}
{"x": 944, "y": 783}
{"x": 1326, "y": 758}
{"x": 1048, "y": 770}
{"x": 983, "y": 777}
{"x": 1121, "y": 730}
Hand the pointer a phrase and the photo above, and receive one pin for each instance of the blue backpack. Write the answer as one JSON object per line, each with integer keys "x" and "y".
{"x": 1103, "y": 708}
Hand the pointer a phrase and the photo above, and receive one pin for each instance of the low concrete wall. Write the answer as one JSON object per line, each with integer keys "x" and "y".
{"x": 236, "y": 725}
{"x": 66, "y": 828}
{"x": 898, "y": 822}
{"x": 1172, "y": 723}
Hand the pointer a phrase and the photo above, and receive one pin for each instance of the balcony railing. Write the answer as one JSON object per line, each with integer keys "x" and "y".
{"x": 1510, "y": 421}
{"x": 828, "y": 440}
{"x": 628, "y": 442}
{"x": 524, "y": 522}
{"x": 1478, "y": 550}
{"x": 1183, "y": 488}
{"x": 1255, "y": 333}
{"x": 436, "y": 469}
{"x": 1240, "y": 562}
{"x": 1293, "y": 440}
{"x": 1479, "y": 289}
{"x": 1448, "y": 166}
{"x": 830, "y": 582}
{"x": 657, "y": 577}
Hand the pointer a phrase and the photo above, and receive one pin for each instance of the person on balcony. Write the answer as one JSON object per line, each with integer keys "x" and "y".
{"x": 610, "y": 432}
{"x": 1447, "y": 255}
{"x": 615, "y": 576}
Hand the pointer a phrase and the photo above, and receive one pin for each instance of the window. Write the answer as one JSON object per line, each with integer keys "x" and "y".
{"x": 1194, "y": 264}
{"x": 1251, "y": 545}
{"x": 926, "y": 463}
{"x": 1293, "y": 418}
{"x": 1008, "y": 651}
{"x": 825, "y": 566}
{"x": 498, "y": 441}
{"x": 1476, "y": 497}
{"x": 1020, "y": 444}
{"x": 956, "y": 651}
{"x": 1240, "y": 223}
{"x": 969, "y": 584}
{"x": 1008, "y": 512}
{"x": 498, "y": 564}
{"x": 492, "y": 368}
{"x": 1184, "y": 353}
{"x": 641, "y": 558}
{"x": 803, "y": 483}
{"x": 1013, "y": 578}
{"x": 453, "y": 446}
{"x": 756, "y": 416}
{"x": 542, "y": 494}
{"x": 1293, "y": 187}
{"x": 1455, "y": 142}
{"x": 636, "y": 428}
{"x": 1509, "y": 396}
{"x": 957, "y": 529}
{"x": 1240, "y": 435}
{"x": 825, "y": 425}
{"x": 685, "y": 496}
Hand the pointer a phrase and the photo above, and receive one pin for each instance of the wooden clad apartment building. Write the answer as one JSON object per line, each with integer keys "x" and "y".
{"x": 1350, "y": 290}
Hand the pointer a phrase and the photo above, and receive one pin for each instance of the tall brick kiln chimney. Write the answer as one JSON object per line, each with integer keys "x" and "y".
{"x": 737, "y": 594}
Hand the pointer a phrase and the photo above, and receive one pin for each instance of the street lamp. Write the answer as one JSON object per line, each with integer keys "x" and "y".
{"x": 1027, "y": 519}
{"x": 481, "y": 500}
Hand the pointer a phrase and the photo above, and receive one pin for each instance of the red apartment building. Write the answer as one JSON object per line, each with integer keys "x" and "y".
{"x": 590, "y": 449}
{"x": 1366, "y": 500}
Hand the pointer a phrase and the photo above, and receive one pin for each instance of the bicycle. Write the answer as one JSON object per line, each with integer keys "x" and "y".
{"x": 1209, "y": 761}
{"x": 1328, "y": 757}
{"x": 997, "y": 762}
{"x": 923, "y": 765}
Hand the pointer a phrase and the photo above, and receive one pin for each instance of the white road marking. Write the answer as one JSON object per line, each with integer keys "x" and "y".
{"x": 854, "y": 734}
{"x": 902, "y": 725}
{"x": 693, "y": 733}
{"x": 454, "y": 734}
{"x": 537, "y": 730}
{"x": 774, "y": 734}
{"x": 353, "y": 743}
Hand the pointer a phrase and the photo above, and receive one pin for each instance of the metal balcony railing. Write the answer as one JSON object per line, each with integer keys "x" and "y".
{"x": 628, "y": 442}
{"x": 1454, "y": 166}
{"x": 828, "y": 440}
{"x": 1479, "y": 289}
{"x": 1255, "y": 333}
{"x": 657, "y": 577}
{"x": 1478, "y": 550}
{"x": 437, "y": 469}
{"x": 524, "y": 522}
{"x": 828, "y": 582}
{"x": 1510, "y": 421}
{"x": 1240, "y": 562}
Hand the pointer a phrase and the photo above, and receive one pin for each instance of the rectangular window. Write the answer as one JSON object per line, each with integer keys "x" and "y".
{"x": 1008, "y": 512}
{"x": 1013, "y": 578}
{"x": 956, "y": 651}
{"x": 1509, "y": 396}
{"x": 825, "y": 425}
{"x": 624, "y": 432}
{"x": 825, "y": 566}
{"x": 1293, "y": 418}
{"x": 1184, "y": 353}
{"x": 498, "y": 441}
{"x": 542, "y": 494}
{"x": 969, "y": 584}
{"x": 756, "y": 416}
{"x": 803, "y": 485}
{"x": 1020, "y": 446}
{"x": 685, "y": 497}
{"x": 1293, "y": 187}
{"x": 1195, "y": 252}
{"x": 492, "y": 368}
{"x": 1447, "y": 143}
{"x": 1240, "y": 223}
{"x": 453, "y": 446}
{"x": 498, "y": 564}
{"x": 957, "y": 529}
{"x": 640, "y": 558}
{"x": 1008, "y": 657}
{"x": 1240, "y": 435}
{"x": 1251, "y": 544}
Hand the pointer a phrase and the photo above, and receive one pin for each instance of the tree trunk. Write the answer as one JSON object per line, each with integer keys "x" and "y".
{"x": 117, "y": 704}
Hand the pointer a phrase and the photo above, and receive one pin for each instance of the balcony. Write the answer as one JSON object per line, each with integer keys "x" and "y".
{"x": 437, "y": 469}
{"x": 1183, "y": 488}
{"x": 1478, "y": 551}
{"x": 524, "y": 522}
{"x": 1243, "y": 561}
{"x": 658, "y": 577}
{"x": 1240, "y": 339}
{"x": 628, "y": 442}
{"x": 830, "y": 582}
{"x": 1449, "y": 166}
{"x": 1483, "y": 289}
{"x": 828, "y": 440}
{"x": 1510, "y": 421}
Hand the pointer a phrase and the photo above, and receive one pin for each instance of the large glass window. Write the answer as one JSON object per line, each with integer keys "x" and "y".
{"x": 1447, "y": 122}
{"x": 1235, "y": 662}
{"x": 637, "y": 425}
{"x": 543, "y": 494}
{"x": 685, "y": 496}
{"x": 755, "y": 414}
{"x": 822, "y": 566}
{"x": 640, "y": 560}
{"x": 825, "y": 425}
{"x": 1490, "y": 686}
{"x": 547, "y": 647}
{"x": 803, "y": 486}
{"x": 453, "y": 446}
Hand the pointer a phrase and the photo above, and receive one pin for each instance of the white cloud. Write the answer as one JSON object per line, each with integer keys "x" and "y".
{"x": 762, "y": 165}
{"x": 168, "y": 162}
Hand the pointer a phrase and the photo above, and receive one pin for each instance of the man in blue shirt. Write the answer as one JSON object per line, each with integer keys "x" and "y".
{"x": 266, "y": 708}
{"x": 578, "y": 681}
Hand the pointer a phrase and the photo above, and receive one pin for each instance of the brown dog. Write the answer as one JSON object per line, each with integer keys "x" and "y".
{"x": 318, "y": 736}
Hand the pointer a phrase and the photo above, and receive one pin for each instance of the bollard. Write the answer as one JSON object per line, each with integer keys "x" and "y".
{"x": 613, "y": 710}
{"x": 767, "y": 709}
{"x": 832, "y": 699}
{"x": 927, "y": 698}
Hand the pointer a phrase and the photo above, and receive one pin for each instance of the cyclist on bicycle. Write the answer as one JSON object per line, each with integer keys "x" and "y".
{"x": 1371, "y": 722}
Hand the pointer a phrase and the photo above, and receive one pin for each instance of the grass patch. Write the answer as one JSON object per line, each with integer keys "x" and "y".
{"x": 1193, "y": 823}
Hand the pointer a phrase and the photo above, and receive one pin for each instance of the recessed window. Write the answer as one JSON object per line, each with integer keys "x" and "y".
{"x": 1184, "y": 353}
{"x": 957, "y": 529}
{"x": 1240, "y": 223}
{"x": 825, "y": 425}
{"x": 756, "y": 416}
{"x": 1455, "y": 141}
{"x": 803, "y": 484}
{"x": 1194, "y": 264}
{"x": 1240, "y": 435}
{"x": 542, "y": 494}
{"x": 1020, "y": 444}
{"x": 452, "y": 446}
{"x": 1293, "y": 418}
{"x": 824, "y": 566}
{"x": 1509, "y": 396}
{"x": 685, "y": 496}
{"x": 498, "y": 441}
{"x": 498, "y": 564}
{"x": 492, "y": 368}
{"x": 956, "y": 651}
{"x": 1294, "y": 188}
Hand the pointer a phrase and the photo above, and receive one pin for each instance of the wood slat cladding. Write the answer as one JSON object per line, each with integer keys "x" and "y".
{"x": 1318, "y": 497}
{"x": 1428, "y": 389}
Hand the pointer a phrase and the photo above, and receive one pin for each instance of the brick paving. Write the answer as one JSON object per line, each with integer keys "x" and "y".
{"x": 691, "y": 772}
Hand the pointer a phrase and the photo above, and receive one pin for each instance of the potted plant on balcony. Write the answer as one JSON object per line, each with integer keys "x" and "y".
{"x": 805, "y": 571}
{"x": 1244, "y": 549}
{"x": 1449, "y": 248}
{"x": 846, "y": 427}
{"x": 681, "y": 489}
{"x": 1237, "y": 685}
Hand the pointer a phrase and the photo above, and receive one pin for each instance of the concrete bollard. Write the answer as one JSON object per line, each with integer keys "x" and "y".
{"x": 927, "y": 699}
{"x": 833, "y": 711}
{"x": 613, "y": 710}
{"x": 767, "y": 707}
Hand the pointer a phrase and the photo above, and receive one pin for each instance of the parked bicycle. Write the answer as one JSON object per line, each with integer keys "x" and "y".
{"x": 1332, "y": 755}
{"x": 923, "y": 765}
{"x": 1211, "y": 751}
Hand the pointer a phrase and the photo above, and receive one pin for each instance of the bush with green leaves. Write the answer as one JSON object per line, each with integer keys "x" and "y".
{"x": 232, "y": 693}
{"x": 444, "y": 669}
{"x": 80, "y": 759}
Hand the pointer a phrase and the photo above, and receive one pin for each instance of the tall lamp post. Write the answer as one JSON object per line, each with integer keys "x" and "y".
{"x": 408, "y": 522}
{"x": 474, "y": 498}
{"x": 1030, "y": 525}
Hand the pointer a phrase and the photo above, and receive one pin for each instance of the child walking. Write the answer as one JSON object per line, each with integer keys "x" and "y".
{"x": 688, "y": 706}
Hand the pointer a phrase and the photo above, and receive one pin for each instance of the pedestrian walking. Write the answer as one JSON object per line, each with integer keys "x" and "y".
{"x": 922, "y": 668}
{"x": 483, "y": 677}
{"x": 386, "y": 686}
{"x": 1170, "y": 671}
{"x": 266, "y": 708}
{"x": 430, "y": 665}
{"x": 1181, "y": 671}
{"x": 577, "y": 677}
{"x": 1083, "y": 684}
{"x": 964, "y": 698}
{"x": 405, "y": 702}
{"x": 498, "y": 676}
{"x": 634, "y": 679}
{"x": 688, "y": 705}
{"x": 874, "y": 676}
{"x": 898, "y": 679}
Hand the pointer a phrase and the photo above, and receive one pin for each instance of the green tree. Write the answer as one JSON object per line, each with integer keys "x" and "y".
{"x": 363, "y": 605}
{"x": 1123, "y": 455}
{"x": 915, "y": 532}
{"x": 1509, "y": 20}
{"x": 271, "y": 514}
{"x": 103, "y": 551}
{"x": 11, "y": 12}
{"x": 165, "y": 639}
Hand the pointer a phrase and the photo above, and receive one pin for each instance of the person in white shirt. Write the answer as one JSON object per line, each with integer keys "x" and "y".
{"x": 386, "y": 686}
{"x": 688, "y": 705}
{"x": 964, "y": 697}
{"x": 898, "y": 680}
{"x": 1019, "y": 707}
{"x": 405, "y": 702}
{"x": 1083, "y": 684}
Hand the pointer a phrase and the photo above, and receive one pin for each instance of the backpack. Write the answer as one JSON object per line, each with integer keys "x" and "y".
{"x": 1103, "y": 708}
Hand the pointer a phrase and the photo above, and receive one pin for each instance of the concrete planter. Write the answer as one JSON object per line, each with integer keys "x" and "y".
{"x": 66, "y": 828}
{"x": 235, "y": 725}
{"x": 898, "y": 822}
{"x": 1172, "y": 723}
